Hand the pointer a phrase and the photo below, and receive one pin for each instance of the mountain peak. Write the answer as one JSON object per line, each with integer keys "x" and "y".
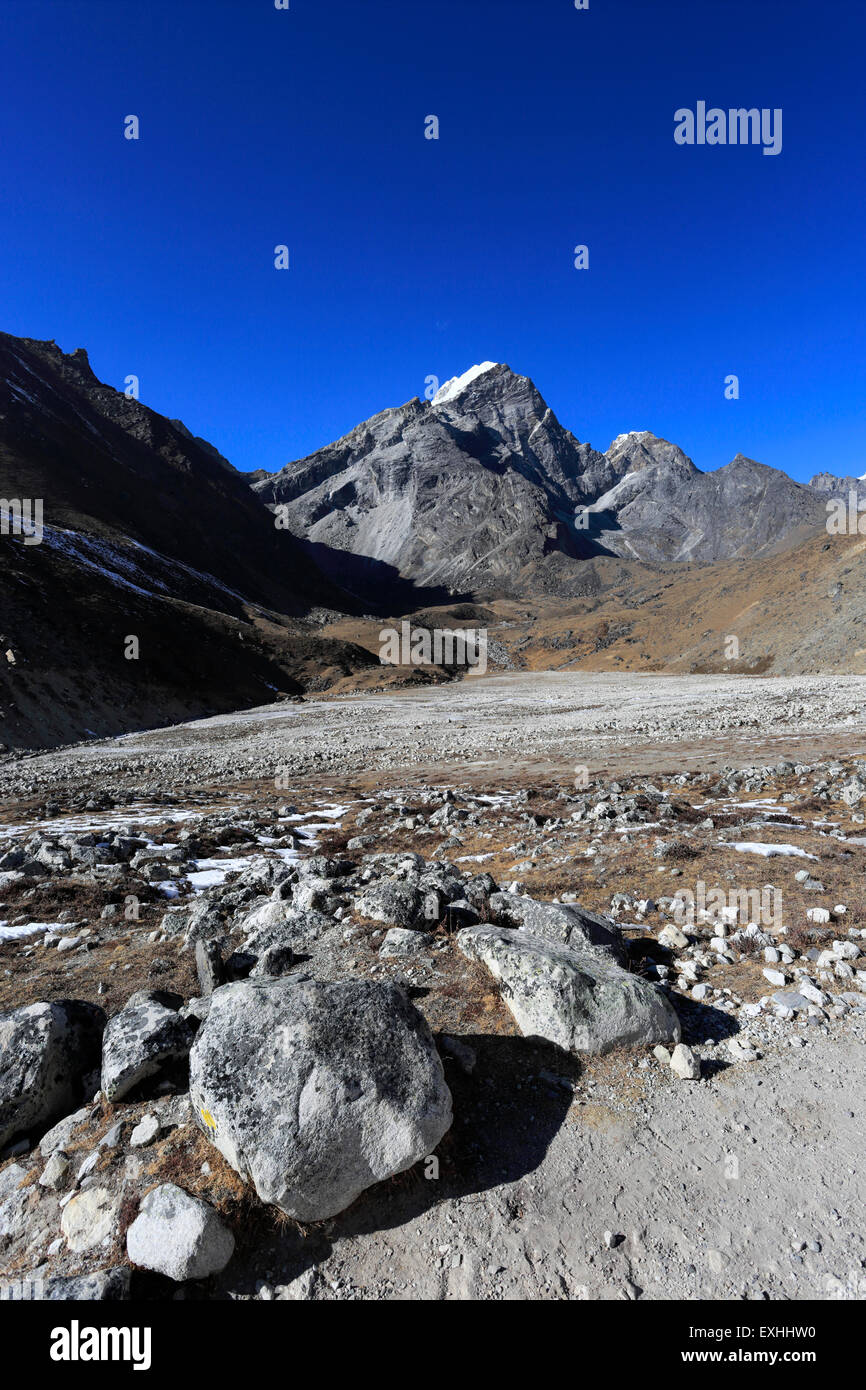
{"x": 458, "y": 384}
{"x": 640, "y": 449}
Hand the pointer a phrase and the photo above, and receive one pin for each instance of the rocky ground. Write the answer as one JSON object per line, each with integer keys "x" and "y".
{"x": 490, "y": 729}
{"x": 607, "y": 1026}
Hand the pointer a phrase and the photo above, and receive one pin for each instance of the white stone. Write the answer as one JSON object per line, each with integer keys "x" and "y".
{"x": 179, "y": 1235}
{"x": 685, "y": 1064}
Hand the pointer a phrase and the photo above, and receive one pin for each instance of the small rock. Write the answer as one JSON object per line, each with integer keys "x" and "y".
{"x": 685, "y": 1064}
{"x": 89, "y": 1218}
{"x": 774, "y": 977}
{"x": 56, "y": 1171}
{"x": 145, "y": 1132}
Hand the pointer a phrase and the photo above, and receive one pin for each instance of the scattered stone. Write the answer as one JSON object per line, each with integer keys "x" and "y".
{"x": 399, "y": 941}
{"x": 105, "y": 1286}
{"x": 685, "y": 1064}
{"x": 89, "y": 1218}
{"x": 179, "y": 1235}
{"x": 145, "y": 1132}
{"x": 208, "y": 965}
{"x": 774, "y": 977}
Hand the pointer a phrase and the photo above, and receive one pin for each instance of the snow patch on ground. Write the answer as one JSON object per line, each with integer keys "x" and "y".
{"x": 754, "y": 847}
{"x": 10, "y": 933}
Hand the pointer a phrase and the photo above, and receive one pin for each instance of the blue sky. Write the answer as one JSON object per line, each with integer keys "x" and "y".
{"x": 413, "y": 257}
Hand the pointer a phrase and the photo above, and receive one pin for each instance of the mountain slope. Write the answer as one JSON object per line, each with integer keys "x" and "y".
{"x": 108, "y": 464}
{"x": 463, "y": 492}
{"x": 150, "y": 534}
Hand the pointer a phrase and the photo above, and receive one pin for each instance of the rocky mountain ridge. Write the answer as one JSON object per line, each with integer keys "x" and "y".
{"x": 482, "y": 492}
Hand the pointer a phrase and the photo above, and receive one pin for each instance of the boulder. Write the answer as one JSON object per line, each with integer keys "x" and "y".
{"x": 14, "y": 1201}
{"x": 315, "y": 894}
{"x": 56, "y": 1171}
{"x": 204, "y": 920}
{"x": 179, "y": 1235}
{"x": 276, "y": 960}
{"x": 316, "y": 1090}
{"x": 46, "y": 1051}
{"x": 266, "y": 916}
{"x": 60, "y": 1134}
{"x": 147, "y": 1035}
{"x": 672, "y": 938}
{"x": 289, "y": 926}
{"x": 393, "y": 901}
{"x": 400, "y": 941}
{"x": 582, "y": 1003}
{"x": 569, "y": 923}
{"x": 105, "y": 1285}
{"x": 790, "y": 999}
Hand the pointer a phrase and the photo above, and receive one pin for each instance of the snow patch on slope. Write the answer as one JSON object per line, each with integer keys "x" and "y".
{"x": 457, "y": 384}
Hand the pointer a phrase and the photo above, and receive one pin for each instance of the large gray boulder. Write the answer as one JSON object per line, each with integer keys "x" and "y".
{"x": 46, "y": 1050}
{"x": 314, "y": 1091}
{"x": 397, "y": 903}
{"x": 579, "y": 1002}
{"x": 147, "y": 1035}
{"x": 179, "y": 1235}
{"x": 568, "y": 923}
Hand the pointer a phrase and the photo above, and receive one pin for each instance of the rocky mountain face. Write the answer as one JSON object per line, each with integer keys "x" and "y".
{"x": 463, "y": 492}
{"x": 831, "y": 486}
{"x": 663, "y": 508}
{"x": 145, "y": 533}
{"x": 106, "y": 464}
{"x": 482, "y": 491}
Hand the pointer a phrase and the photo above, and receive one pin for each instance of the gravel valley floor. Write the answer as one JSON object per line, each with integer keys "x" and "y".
{"x": 563, "y": 1176}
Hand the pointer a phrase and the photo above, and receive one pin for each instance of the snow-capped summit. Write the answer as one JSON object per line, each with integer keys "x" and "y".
{"x": 457, "y": 384}
{"x": 630, "y": 434}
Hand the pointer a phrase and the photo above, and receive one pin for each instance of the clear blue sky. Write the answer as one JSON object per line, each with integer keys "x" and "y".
{"x": 412, "y": 257}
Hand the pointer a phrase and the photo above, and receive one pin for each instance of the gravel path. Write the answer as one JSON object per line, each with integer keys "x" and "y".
{"x": 747, "y": 1184}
